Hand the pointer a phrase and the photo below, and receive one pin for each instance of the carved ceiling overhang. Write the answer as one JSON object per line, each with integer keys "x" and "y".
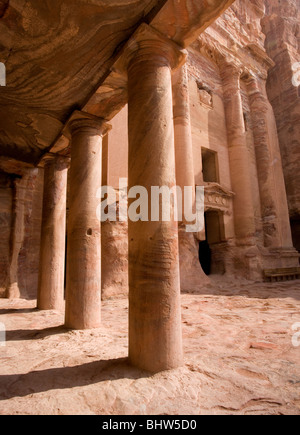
{"x": 60, "y": 59}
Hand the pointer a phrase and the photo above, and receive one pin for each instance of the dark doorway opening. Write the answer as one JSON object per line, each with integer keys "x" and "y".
{"x": 215, "y": 234}
{"x": 205, "y": 257}
{"x": 295, "y": 226}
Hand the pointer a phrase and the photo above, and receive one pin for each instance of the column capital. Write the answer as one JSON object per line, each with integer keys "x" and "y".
{"x": 229, "y": 68}
{"x": 230, "y": 72}
{"x": 82, "y": 121}
{"x": 147, "y": 44}
{"x": 256, "y": 87}
{"x": 63, "y": 162}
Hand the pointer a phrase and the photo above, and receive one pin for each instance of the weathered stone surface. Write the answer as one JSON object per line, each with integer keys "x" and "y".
{"x": 114, "y": 260}
{"x": 73, "y": 68}
{"x": 155, "y": 338}
{"x": 6, "y": 200}
{"x": 53, "y": 234}
{"x": 86, "y": 372}
{"x": 20, "y": 243}
{"x": 183, "y": 21}
{"x": 83, "y": 288}
{"x": 281, "y": 27}
{"x": 67, "y": 50}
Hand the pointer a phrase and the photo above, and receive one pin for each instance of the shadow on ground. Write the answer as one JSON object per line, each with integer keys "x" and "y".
{"x": 67, "y": 377}
{"x": 7, "y": 311}
{"x": 34, "y": 334}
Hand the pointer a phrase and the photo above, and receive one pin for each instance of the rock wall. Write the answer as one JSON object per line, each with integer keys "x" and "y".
{"x": 251, "y": 32}
{"x": 282, "y": 29}
{"x": 6, "y": 199}
{"x": 30, "y": 252}
{"x": 20, "y": 228}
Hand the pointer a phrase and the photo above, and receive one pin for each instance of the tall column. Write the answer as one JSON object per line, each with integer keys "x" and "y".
{"x": 83, "y": 293}
{"x": 155, "y": 335}
{"x": 114, "y": 243}
{"x": 192, "y": 276}
{"x": 185, "y": 175}
{"x": 16, "y": 236}
{"x": 53, "y": 236}
{"x": 238, "y": 155}
{"x": 276, "y": 224}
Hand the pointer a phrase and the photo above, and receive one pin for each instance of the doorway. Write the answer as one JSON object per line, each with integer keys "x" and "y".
{"x": 215, "y": 235}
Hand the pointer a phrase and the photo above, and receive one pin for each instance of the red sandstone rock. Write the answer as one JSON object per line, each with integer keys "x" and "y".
{"x": 281, "y": 27}
{"x": 216, "y": 129}
{"x": 263, "y": 346}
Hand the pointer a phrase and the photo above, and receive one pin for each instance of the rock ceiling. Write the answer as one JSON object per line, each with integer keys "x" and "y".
{"x": 58, "y": 52}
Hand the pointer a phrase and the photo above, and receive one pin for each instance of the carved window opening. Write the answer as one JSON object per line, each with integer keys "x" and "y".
{"x": 205, "y": 95}
{"x": 210, "y": 166}
{"x": 214, "y": 225}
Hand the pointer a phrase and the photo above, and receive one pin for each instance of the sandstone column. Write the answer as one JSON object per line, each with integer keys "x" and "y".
{"x": 16, "y": 236}
{"x": 53, "y": 236}
{"x": 192, "y": 276}
{"x": 276, "y": 224}
{"x": 114, "y": 244}
{"x": 155, "y": 336}
{"x": 238, "y": 154}
{"x": 182, "y": 127}
{"x": 83, "y": 293}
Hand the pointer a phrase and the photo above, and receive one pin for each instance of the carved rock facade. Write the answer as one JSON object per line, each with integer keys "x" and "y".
{"x": 186, "y": 101}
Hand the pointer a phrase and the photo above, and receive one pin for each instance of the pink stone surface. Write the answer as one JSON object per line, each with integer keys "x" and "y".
{"x": 47, "y": 369}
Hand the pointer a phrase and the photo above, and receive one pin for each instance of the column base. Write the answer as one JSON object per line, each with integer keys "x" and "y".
{"x": 51, "y": 306}
{"x": 250, "y": 262}
{"x": 13, "y": 291}
{"x": 154, "y": 367}
{"x": 281, "y": 258}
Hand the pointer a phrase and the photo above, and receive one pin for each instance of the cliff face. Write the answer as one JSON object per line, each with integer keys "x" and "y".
{"x": 282, "y": 29}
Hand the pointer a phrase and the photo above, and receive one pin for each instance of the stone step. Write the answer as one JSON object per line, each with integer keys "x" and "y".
{"x": 284, "y": 274}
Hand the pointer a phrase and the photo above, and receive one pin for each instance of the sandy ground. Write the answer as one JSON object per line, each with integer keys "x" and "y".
{"x": 239, "y": 358}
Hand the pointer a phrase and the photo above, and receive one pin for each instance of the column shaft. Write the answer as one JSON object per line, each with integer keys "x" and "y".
{"x": 276, "y": 225}
{"x": 83, "y": 293}
{"x": 238, "y": 155}
{"x": 53, "y": 235}
{"x": 16, "y": 236}
{"x": 192, "y": 276}
{"x": 185, "y": 175}
{"x": 155, "y": 337}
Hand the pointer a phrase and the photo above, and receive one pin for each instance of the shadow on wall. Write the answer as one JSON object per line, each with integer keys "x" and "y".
{"x": 295, "y": 225}
{"x": 3, "y": 6}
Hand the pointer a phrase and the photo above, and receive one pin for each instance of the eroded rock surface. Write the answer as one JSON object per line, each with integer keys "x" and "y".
{"x": 239, "y": 358}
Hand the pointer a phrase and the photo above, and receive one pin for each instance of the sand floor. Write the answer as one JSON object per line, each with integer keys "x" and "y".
{"x": 239, "y": 358}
